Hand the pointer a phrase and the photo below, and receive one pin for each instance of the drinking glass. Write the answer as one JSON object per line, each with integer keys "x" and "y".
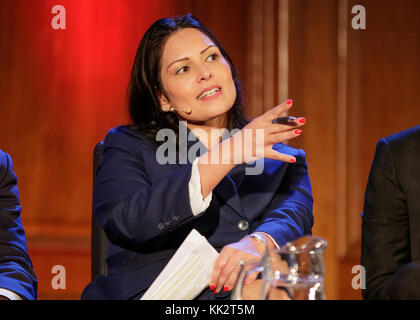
{"x": 295, "y": 271}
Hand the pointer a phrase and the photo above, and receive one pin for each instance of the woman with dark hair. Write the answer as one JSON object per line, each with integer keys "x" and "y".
{"x": 150, "y": 192}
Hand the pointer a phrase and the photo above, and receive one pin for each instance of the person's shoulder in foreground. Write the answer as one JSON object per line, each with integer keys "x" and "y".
{"x": 390, "y": 243}
{"x": 404, "y": 143}
{"x": 17, "y": 278}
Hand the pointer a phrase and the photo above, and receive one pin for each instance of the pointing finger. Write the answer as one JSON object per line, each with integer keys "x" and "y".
{"x": 280, "y": 110}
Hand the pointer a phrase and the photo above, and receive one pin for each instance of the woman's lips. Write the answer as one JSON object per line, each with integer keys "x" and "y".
{"x": 211, "y": 96}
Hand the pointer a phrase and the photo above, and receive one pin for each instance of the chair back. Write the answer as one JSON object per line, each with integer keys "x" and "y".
{"x": 99, "y": 241}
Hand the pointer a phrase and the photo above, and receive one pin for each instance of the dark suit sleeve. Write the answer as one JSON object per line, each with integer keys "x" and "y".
{"x": 16, "y": 273}
{"x": 135, "y": 214}
{"x": 385, "y": 225}
{"x": 289, "y": 215}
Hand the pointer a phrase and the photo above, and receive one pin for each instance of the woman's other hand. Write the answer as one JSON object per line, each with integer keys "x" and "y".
{"x": 226, "y": 267}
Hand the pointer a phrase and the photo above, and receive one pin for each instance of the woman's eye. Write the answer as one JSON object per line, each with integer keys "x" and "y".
{"x": 182, "y": 70}
{"x": 213, "y": 56}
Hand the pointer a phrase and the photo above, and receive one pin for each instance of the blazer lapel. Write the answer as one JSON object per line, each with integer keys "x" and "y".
{"x": 227, "y": 190}
{"x": 237, "y": 174}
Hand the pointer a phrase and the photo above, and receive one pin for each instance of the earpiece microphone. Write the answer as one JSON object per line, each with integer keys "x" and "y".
{"x": 186, "y": 110}
{"x": 171, "y": 109}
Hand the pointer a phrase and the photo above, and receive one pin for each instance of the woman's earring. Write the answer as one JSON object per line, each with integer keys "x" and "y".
{"x": 166, "y": 108}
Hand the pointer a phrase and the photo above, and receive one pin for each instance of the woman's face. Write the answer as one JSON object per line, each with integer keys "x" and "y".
{"x": 195, "y": 75}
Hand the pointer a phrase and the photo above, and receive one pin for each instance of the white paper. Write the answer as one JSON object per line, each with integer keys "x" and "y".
{"x": 187, "y": 274}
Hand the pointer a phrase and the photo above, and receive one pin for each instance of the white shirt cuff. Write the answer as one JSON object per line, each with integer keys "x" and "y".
{"x": 198, "y": 204}
{"x": 9, "y": 294}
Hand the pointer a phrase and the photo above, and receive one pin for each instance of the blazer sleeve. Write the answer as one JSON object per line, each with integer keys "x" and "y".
{"x": 289, "y": 215}
{"x": 385, "y": 225}
{"x": 16, "y": 271}
{"x": 134, "y": 213}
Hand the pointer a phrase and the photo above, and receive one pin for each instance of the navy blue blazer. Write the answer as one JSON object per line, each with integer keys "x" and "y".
{"x": 145, "y": 210}
{"x": 16, "y": 272}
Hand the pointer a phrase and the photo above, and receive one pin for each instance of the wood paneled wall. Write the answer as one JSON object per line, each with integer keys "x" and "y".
{"x": 60, "y": 91}
{"x": 313, "y": 79}
{"x": 383, "y": 76}
{"x": 354, "y": 87}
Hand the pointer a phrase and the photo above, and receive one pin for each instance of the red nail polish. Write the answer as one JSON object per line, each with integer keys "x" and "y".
{"x": 303, "y": 120}
{"x": 289, "y": 101}
{"x": 298, "y": 131}
{"x": 226, "y": 288}
{"x": 293, "y": 160}
{"x": 212, "y": 287}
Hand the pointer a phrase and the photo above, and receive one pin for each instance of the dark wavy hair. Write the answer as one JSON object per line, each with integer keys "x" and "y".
{"x": 145, "y": 82}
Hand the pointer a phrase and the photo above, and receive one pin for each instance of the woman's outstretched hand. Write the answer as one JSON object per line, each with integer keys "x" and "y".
{"x": 256, "y": 141}
{"x": 266, "y": 132}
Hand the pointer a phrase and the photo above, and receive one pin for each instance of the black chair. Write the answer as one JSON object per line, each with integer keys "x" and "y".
{"x": 99, "y": 241}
